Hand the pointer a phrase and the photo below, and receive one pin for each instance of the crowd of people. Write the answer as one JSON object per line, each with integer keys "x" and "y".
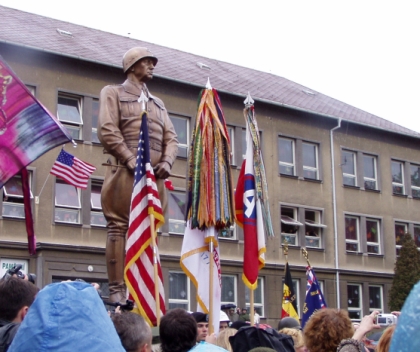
{"x": 71, "y": 315}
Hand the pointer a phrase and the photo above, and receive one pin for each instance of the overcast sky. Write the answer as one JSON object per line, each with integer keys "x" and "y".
{"x": 364, "y": 53}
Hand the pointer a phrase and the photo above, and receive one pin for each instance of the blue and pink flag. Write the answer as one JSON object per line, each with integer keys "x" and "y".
{"x": 27, "y": 129}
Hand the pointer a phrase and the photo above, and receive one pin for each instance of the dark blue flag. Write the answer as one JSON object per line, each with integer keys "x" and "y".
{"x": 314, "y": 299}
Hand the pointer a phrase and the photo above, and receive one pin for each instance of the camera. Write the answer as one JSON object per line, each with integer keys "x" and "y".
{"x": 16, "y": 271}
{"x": 386, "y": 319}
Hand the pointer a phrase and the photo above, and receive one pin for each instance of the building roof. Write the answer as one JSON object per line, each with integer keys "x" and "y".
{"x": 63, "y": 38}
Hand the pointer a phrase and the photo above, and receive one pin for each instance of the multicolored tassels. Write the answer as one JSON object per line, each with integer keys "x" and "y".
{"x": 210, "y": 191}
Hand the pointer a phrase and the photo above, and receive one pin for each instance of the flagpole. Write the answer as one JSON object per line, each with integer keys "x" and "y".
{"x": 211, "y": 318}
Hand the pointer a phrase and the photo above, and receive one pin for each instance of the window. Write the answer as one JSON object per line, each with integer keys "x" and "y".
{"x": 363, "y": 234}
{"x": 354, "y": 301}
{"x": 348, "y": 165}
{"x": 179, "y": 290}
{"x": 400, "y": 230}
{"x": 287, "y": 156}
{"x": 13, "y": 198}
{"x": 313, "y": 228}
{"x": 352, "y": 233}
{"x": 397, "y": 171}
{"x": 95, "y": 114}
{"x": 228, "y": 233}
{"x": 376, "y": 298}
{"x": 181, "y": 125}
{"x": 289, "y": 226}
{"x": 97, "y": 217}
{"x": 369, "y": 172}
{"x": 258, "y": 297}
{"x": 176, "y": 212}
{"x": 228, "y": 289}
{"x": 69, "y": 111}
{"x": 415, "y": 180}
{"x": 310, "y": 160}
{"x": 67, "y": 203}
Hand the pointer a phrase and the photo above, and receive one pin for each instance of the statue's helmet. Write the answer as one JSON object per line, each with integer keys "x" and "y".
{"x": 135, "y": 54}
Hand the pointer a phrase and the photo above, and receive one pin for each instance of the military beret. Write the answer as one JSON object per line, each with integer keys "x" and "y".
{"x": 200, "y": 317}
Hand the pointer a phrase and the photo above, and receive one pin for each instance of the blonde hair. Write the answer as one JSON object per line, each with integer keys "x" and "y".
{"x": 385, "y": 341}
{"x": 296, "y": 334}
{"x": 223, "y": 338}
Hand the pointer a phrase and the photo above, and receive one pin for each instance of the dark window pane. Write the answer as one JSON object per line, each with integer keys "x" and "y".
{"x": 400, "y": 230}
{"x": 68, "y": 110}
{"x": 396, "y": 169}
{"x": 349, "y": 180}
{"x": 417, "y": 235}
{"x": 348, "y": 162}
{"x": 351, "y": 228}
{"x": 309, "y": 154}
{"x": 369, "y": 166}
{"x": 353, "y": 296}
{"x": 370, "y": 184}
{"x": 375, "y": 297}
{"x": 415, "y": 175}
{"x": 178, "y": 286}
{"x": 228, "y": 289}
{"x": 286, "y": 150}
{"x": 372, "y": 231}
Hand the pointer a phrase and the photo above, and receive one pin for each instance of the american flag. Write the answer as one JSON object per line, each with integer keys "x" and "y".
{"x": 72, "y": 170}
{"x": 139, "y": 261}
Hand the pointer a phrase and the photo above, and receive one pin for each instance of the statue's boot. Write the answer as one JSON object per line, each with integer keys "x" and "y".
{"x": 115, "y": 252}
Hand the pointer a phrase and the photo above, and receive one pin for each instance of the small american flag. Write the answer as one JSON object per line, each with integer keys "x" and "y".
{"x": 72, "y": 170}
{"x": 139, "y": 261}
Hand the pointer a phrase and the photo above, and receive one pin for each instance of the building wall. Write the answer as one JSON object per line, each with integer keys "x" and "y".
{"x": 77, "y": 250}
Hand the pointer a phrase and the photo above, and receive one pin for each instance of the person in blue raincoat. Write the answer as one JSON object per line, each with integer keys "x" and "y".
{"x": 67, "y": 316}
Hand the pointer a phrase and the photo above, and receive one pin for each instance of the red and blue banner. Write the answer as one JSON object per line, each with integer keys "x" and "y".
{"x": 27, "y": 129}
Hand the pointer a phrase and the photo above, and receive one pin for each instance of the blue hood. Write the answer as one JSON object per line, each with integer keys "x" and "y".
{"x": 67, "y": 316}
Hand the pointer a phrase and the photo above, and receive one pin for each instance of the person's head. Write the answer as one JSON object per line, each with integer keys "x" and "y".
{"x": 229, "y": 309}
{"x": 139, "y": 64}
{"x": 202, "y": 320}
{"x": 178, "y": 331}
{"x": 223, "y": 338}
{"x": 224, "y": 321}
{"x": 134, "y": 332}
{"x": 244, "y": 311}
{"x": 16, "y": 296}
{"x": 297, "y": 338}
{"x": 288, "y": 322}
{"x": 384, "y": 342}
{"x": 326, "y": 328}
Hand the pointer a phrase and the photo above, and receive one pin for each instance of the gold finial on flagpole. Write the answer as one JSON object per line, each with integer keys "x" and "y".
{"x": 285, "y": 248}
{"x": 305, "y": 254}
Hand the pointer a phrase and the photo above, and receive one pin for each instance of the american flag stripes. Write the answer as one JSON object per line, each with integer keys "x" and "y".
{"x": 72, "y": 170}
{"x": 139, "y": 261}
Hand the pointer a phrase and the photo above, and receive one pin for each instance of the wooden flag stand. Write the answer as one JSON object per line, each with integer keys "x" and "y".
{"x": 211, "y": 317}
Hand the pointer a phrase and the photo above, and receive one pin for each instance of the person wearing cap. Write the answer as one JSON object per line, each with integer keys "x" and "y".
{"x": 119, "y": 121}
{"x": 202, "y": 320}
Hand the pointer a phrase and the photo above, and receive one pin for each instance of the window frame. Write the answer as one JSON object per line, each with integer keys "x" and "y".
{"x": 72, "y": 125}
{"x": 316, "y": 157}
{"x": 314, "y": 225}
{"x": 187, "y": 300}
{"x": 375, "y": 171}
{"x": 416, "y": 189}
{"x": 176, "y": 222}
{"x": 182, "y": 146}
{"x": 257, "y": 305}
{"x": 96, "y": 211}
{"x": 381, "y": 293}
{"x": 360, "y": 306}
{"x": 362, "y": 233}
{"x": 397, "y": 184}
{"x": 346, "y": 174}
{"x": 12, "y": 203}
{"x": 66, "y": 209}
{"x": 287, "y": 164}
{"x": 235, "y": 289}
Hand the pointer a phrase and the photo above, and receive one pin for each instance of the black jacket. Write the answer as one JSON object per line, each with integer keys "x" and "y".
{"x": 8, "y": 331}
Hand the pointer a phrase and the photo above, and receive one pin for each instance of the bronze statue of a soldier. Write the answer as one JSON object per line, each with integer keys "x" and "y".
{"x": 118, "y": 130}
